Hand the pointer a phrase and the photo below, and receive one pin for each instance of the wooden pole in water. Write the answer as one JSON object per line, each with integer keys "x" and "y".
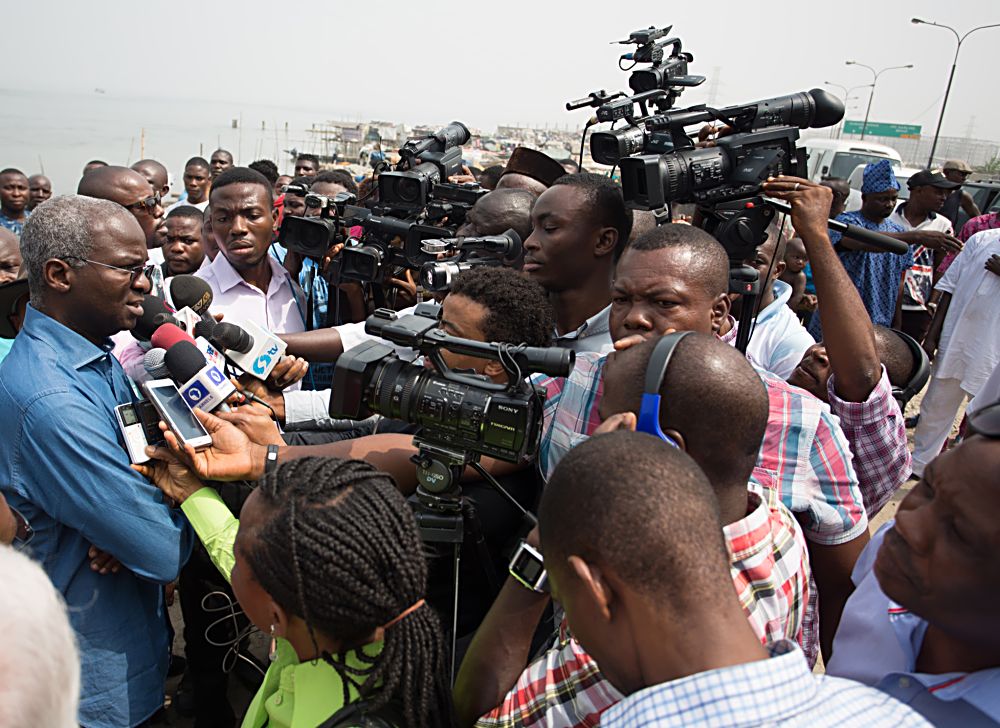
{"x": 142, "y": 143}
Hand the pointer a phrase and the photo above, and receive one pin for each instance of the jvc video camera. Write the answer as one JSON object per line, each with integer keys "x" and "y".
{"x": 455, "y": 411}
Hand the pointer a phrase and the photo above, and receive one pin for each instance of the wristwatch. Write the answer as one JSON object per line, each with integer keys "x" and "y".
{"x": 527, "y": 567}
{"x": 271, "y": 459}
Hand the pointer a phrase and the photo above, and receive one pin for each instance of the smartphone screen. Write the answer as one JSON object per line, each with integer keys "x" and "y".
{"x": 176, "y": 411}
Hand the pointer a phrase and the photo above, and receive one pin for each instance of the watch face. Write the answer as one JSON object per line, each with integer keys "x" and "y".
{"x": 531, "y": 569}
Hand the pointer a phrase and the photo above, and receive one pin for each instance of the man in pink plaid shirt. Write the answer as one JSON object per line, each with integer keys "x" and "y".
{"x": 769, "y": 559}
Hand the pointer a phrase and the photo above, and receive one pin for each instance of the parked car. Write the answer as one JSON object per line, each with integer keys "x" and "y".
{"x": 837, "y": 158}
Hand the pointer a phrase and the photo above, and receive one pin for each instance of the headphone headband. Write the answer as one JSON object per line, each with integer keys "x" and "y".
{"x": 656, "y": 370}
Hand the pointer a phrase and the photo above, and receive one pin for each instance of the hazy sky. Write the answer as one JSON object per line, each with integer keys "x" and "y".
{"x": 500, "y": 62}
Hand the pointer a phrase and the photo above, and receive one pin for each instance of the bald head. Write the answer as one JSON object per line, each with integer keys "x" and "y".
{"x": 710, "y": 396}
{"x": 657, "y": 522}
{"x": 128, "y": 188}
{"x": 499, "y": 211}
{"x": 155, "y": 173}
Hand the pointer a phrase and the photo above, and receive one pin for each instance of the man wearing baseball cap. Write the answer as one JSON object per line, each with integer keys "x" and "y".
{"x": 957, "y": 170}
{"x": 928, "y": 192}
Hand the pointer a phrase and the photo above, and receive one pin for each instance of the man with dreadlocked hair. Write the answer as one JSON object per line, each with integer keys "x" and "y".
{"x": 327, "y": 559}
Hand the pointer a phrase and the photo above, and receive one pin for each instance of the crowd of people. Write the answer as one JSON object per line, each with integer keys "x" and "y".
{"x": 702, "y": 514}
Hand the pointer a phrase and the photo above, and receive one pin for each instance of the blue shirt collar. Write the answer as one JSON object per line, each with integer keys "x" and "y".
{"x": 72, "y": 346}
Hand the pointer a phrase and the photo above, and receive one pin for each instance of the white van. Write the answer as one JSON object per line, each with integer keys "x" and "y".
{"x": 838, "y": 158}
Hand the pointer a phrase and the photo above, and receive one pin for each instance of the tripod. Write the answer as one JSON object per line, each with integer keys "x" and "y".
{"x": 444, "y": 515}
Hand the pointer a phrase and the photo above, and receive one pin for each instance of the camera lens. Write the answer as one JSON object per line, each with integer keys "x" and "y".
{"x": 408, "y": 189}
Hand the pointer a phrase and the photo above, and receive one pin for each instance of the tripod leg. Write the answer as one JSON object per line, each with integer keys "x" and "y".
{"x": 454, "y": 611}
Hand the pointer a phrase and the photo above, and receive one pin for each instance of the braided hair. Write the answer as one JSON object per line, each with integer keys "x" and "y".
{"x": 341, "y": 550}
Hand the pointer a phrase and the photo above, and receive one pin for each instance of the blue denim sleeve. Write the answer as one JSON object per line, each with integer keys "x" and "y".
{"x": 71, "y": 464}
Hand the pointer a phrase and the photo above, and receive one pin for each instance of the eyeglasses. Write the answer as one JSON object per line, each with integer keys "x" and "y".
{"x": 150, "y": 203}
{"x": 135, "y": 272}
{"x": 985, "y": 422}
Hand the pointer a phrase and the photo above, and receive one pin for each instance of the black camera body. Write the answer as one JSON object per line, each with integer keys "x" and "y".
{"x": 455, "y": 411}
{"x": 313, "y": 236}
{"x": 668, "y": 71}
{"x": 423, "y": 164}
{"x": 760, "y": 142}
{"x": 368, "y": 260}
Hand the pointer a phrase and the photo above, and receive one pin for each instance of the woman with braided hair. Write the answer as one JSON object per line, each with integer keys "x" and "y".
{"x": 327, "y": 559}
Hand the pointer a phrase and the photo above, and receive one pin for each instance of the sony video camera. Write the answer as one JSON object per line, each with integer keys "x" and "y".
{"x": 455, "y": 411}
{"x": 466, "y": 253}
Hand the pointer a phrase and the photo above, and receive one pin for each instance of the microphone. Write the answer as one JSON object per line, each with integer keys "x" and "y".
{"x": 169, "y": 334}
{"x": 152, "y": 362}
{"x": 263, "y": 349}
{"x": 232, "y": 337}
{"x": 193, "y": 296}
{"x": 191, "y": 291}
{"x": 201, "y": 384}
{"x": 154, "y": 314}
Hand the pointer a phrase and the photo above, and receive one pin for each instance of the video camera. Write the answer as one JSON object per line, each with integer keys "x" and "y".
{"x": 369, "y": 259}
{"x": 462, "y": 415}
{"x": 424, "y": 163}
{"x": 760, "y": 142}
{"x": 313, "y": 236}
{"x": 467, "y": 253}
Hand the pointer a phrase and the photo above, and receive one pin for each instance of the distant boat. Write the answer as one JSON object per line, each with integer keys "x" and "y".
{"x": 99, "y": 91}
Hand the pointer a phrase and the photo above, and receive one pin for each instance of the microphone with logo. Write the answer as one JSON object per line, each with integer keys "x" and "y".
{"x": 248, "y": 346}
{"x": 193, "y": 296}
{"x": 201, "y": 384}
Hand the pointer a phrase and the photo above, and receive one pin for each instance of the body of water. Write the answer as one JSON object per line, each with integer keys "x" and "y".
{"x": 59, "y": 133}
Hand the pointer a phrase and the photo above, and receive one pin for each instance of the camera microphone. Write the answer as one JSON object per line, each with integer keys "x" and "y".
{"x": 201, "y": 384}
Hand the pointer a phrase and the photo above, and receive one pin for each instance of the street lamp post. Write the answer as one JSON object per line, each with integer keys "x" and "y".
{"x": 951, "y": 77}
{"x": 847, "y": 97}
{"x": 871, "y": 96}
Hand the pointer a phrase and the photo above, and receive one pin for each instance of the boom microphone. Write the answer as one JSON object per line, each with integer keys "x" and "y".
{"x": 201, "y": 384}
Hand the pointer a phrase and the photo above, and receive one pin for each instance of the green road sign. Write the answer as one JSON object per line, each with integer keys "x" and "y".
{"x": 877, "y": 128}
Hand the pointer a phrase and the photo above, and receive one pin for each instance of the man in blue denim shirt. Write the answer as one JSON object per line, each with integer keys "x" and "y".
{"x": 63, "y": 465}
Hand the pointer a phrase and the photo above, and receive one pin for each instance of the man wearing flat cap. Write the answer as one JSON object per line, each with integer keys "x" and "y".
{"x": 958, "y": 170}
{"x": 928, "y": 192}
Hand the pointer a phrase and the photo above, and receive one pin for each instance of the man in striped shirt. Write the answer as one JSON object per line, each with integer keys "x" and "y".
{"x": 768, "y": 556}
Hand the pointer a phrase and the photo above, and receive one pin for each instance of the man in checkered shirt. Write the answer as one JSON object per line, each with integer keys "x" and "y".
{"x": 644, "y": 583}
{"x": 768, "y": 555}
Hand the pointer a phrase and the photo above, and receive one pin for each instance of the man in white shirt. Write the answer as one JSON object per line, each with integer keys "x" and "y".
{"x": 965, "y": 332}
{"x": 246, "y": 282}
{"x": 197, "y": 184}
{"x": 928, "y": 192}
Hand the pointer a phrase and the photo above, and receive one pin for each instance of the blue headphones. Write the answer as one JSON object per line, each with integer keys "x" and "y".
{"x": 656, "y": 370}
